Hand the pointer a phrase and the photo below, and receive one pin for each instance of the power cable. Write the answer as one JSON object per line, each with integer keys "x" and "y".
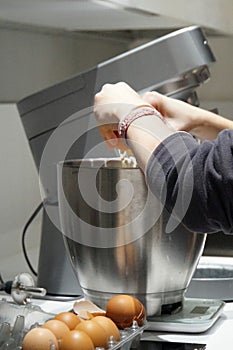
{"x": 32, "y": 217}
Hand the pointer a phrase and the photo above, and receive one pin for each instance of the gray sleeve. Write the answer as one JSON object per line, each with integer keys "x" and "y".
{"x": 195, "y": 181}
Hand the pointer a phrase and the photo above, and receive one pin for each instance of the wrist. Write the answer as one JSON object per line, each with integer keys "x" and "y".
{"x": 144, "y": 135}
{"x": 136, "y": 113}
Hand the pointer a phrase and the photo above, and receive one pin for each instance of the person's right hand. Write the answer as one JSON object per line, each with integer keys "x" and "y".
{"x": 112, "y": 103}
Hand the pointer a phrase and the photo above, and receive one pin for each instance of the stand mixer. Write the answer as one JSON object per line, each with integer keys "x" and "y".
{"x": 176, "y": 64}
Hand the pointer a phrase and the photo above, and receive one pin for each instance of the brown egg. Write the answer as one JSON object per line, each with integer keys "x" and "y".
{"x": 59, "y": 328}
{"x": 69, "y": 318}
{"x": 39, "y": 339}
{"x": 95, "y": 332}
{"x": 108, "y": 325}
{"x": 76, "y": 340}
{"x": 124, "y": 309}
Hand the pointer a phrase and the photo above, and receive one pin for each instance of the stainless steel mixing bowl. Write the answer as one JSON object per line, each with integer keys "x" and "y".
{"x": 115, "y": 233}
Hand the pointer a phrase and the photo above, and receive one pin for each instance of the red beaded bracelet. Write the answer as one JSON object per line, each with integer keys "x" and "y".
{"x": 136, "y": 113}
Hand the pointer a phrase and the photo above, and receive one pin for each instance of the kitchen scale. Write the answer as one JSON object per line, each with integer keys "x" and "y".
{"x": 194, "y": 316}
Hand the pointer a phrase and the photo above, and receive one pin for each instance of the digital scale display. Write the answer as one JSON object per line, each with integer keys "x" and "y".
{"x": 154, "y": 345}
{"x": 199, "y": 310}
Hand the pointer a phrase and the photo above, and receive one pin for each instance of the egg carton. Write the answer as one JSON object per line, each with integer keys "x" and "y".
{"x": 11, "y": 338}
{"x": 32, "y": 313}
{"x": 129, "y": 338}
{"x": 15, "y": 322}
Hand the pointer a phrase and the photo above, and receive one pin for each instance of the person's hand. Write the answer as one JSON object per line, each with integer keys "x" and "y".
{"x": 180, "y": 115}
{"x": 183, "y": 116}
{"x": 110, "y": 105}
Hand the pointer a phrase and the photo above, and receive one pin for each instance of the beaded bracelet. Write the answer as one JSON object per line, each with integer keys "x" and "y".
{"x": 138, "y": 112}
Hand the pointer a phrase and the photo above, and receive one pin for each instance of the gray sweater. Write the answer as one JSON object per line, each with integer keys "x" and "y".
{"x": 195, "y": 181}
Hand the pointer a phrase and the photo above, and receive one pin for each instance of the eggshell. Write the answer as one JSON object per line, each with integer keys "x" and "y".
{"x": 124, "y": 309}
{"x": 58, "y": 328}
{"x": 39, "y": 339}
{"x": 109, "y": 326}
{"x": 69, "y": 318}
{"x": 97, "y": 333}
{"x": 75, "y": 340}
{"x": 86, "y": 309}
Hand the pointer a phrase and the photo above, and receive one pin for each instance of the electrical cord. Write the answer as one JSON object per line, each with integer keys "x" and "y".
{"x": 5, "y": 286}
{"x": 32, "y": 217}
{"x": 2, "y": 283}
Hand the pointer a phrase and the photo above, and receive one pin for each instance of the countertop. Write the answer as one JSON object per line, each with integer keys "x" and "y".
{"x": 220, "y": 333}
{"x": 219, "y": 336}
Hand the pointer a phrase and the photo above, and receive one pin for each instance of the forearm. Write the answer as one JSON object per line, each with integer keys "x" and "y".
{"x": 210, "y": 125}
{"x": 183, "y": 116}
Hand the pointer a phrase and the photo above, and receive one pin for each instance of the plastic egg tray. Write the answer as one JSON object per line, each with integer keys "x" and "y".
{"x": 17, "y": 320}
{"x": 130, "y": 338}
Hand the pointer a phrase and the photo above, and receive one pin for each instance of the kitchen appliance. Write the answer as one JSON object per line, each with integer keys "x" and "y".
{"x": 117, "y": 235}
{"x": 195, "y": 316}
{"x": 213, "y": 279}
{"x": 175, "y": 64}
